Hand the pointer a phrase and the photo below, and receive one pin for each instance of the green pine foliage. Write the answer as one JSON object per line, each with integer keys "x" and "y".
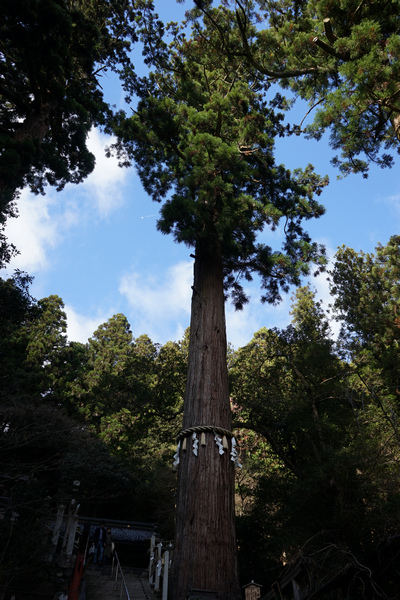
{"x": 129, "y": 387}
{"x": 366, "y": 301}
{"x": 202, "y": 140}
{"x": 342, "y": 56}
{"x": 365, "y": 287}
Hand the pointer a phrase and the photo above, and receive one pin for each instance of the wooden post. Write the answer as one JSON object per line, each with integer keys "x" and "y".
{"x": 158, "y": 566}
{"x": 71, "y": 528}
{"x": 165, "y": 576}
{"x": 152, "y": 559}
{"x": 57, "y": 525}
{"x": 71, "y": 535}
{"x": 71, "y": 513}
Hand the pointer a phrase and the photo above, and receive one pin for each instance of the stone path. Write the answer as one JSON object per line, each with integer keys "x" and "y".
{"x": 99, "y": 585}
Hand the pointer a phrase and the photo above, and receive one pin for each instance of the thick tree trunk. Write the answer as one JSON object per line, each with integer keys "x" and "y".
{"x": 205, "y": 543}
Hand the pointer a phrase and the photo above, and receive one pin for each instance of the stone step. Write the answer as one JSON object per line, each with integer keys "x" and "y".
{"x": 99, "y": 585}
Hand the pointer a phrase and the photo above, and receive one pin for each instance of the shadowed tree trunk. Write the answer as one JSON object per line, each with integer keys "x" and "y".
{"x": 205, "y": 511}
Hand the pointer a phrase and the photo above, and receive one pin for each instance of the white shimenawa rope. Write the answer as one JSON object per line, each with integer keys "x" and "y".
{"x": 220, "y": 440}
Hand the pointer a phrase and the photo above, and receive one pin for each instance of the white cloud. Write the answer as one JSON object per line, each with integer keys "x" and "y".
{"x": 161, "y": 306}
{"x": 106, "y": 183}
{"x": 393, "y": 202}
{"x": 242, "y": 325}
{"x": 34, "y": 232}
{"x": 44, "y": 221}
{"x": 81, "y": 327}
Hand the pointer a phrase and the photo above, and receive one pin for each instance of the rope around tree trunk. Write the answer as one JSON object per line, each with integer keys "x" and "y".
{"x": 203, "y": 429}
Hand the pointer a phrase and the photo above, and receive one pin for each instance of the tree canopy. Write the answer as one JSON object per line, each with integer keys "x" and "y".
{"x": 52, "y": 54}
{"x": 316, "y": 424}
{"x": 320, "y": 486}
{"x": 202, "y": 140}
{"x": 342, "y": 57}
{"x": 323, "y": 483}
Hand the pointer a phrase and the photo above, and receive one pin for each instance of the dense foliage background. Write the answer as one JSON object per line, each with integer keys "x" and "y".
{"x": 316, "y": 421}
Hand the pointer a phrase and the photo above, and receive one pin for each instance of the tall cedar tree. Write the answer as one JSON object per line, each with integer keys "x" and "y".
{"x": 340, "y": 55}
{"x": 202, "y": 138}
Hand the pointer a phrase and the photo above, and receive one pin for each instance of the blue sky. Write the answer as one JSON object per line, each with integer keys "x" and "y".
{"x": 96, "y": 245}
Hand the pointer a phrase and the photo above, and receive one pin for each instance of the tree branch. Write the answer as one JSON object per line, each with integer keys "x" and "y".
{"x": 326, "y": 48}
{"x": 328, "y": 30}
{"x": 273, "y": 443}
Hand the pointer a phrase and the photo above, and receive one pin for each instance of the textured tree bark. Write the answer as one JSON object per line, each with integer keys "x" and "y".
{"x": 205, "y": 543}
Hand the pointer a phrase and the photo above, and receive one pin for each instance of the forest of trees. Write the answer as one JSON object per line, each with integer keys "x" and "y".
{"x": 315, "y": 417}
{"x": 316, "y": 422}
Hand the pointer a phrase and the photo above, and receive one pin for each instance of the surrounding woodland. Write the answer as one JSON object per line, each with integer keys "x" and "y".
{"x": 316, "y": 422}
{"x": 316, "y": 418}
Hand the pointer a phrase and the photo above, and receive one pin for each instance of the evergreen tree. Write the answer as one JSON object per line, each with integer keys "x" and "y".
{"x": 33, "y": 343}
{"x": 129, "y": 391}
{"x": 202, "y": 139}
{"x": 326, "y": 471}
{"x": 16, "y": 305}
{"x": 42, "y": 450}
{"x": 52, "y": 56}
{"x": 342, "y": 57}
{"x": 102, "y": 393}
{"x": 366, "y": 301}
{"x": 366, "y": 297}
